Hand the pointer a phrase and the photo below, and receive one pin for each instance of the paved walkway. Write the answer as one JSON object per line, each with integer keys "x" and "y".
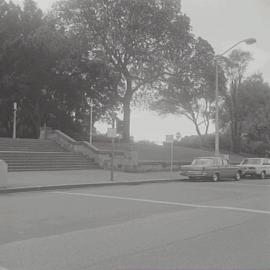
{"x": 48, "y": 178}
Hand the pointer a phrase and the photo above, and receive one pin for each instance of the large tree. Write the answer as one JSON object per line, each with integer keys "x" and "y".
{"x": 16, "y": 27}
{"x": 254, "y": 108}
{"x": 136, "y": 38}
{"x": 235, "y": 67}
{"x": 189, "y": 89}
{"x": 44, "y": 70}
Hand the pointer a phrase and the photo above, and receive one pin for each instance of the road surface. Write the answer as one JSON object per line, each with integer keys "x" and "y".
{"x": 183, "y": 225}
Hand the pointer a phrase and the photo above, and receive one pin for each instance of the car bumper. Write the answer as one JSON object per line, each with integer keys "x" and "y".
{"x": 249, "y": 173}
{"x": 195, "y": 174}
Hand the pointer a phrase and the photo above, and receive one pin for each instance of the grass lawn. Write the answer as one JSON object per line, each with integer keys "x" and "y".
{"x": 152, "y": 152}
{"x": 183, "y": 154}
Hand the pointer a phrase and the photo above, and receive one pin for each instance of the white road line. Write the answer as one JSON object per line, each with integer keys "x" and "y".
{"x": 166, "y": 202}
{"x": 3, "y": 268}
{"x": 241, "y": 184}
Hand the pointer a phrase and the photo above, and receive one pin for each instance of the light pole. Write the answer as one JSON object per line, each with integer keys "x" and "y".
{"x": 248, "y": 41}
{"x": 113, "y": 136}
{"x": 14, "y": 119}
{"x": 91, "y": 122}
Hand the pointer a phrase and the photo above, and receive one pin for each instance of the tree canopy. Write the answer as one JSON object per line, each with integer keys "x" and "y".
{"x": 254, "y": 108}
{"x": 189, "y": 89}
{"x": 118, "y": 53}
{"x": 136, "y": 38}
{"x": 235, "y": 67}
{"x": 45, "y": 71}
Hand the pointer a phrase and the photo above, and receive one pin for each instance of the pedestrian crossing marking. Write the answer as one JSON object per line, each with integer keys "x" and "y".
{"x": 219, "y": 207}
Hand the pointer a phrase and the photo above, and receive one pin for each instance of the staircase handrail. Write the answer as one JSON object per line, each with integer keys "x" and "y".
{"x": 87, "y": 144}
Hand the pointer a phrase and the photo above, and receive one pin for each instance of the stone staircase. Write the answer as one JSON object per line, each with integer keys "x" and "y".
{"x": 41, "y": 155}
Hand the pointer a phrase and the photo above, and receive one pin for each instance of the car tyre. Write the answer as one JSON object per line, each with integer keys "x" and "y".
{"x": 237, "y": 176}
{"x": 215, "y": 177}
{"x": 262, "y": 175}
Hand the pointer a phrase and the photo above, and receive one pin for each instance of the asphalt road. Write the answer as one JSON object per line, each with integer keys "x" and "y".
{"x": 165, "y": 226}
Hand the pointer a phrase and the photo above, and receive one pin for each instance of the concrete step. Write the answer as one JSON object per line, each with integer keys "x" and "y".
{"x": 51, "y": 165}
{"x": 51, "y": 168}
{"x": 46, "y": 159}
{"x": 51, "y": 162}
{"x": 35, "y": 155}
{"x": 7, "y": 144}
{"x": 25, "y": 154}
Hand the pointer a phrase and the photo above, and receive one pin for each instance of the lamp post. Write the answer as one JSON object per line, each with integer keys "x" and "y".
{"x": 113, "y": 135}
{"x": 14, "y": 119}
{"x": 91, "y": 122}
{"x": 248, "y": 41}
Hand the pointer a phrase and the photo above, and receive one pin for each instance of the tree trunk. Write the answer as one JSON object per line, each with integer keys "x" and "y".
{"x": 126, "y": 107}
{"x": 235, "y": 126}
{"x": 198, "y": 132}
{"x": 236, "y": 137}
{"x": 126, "y": 122}
{"x": 36, "y": 121}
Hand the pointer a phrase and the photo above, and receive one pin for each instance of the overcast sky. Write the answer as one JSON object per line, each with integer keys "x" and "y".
{"x": 222, "y": 23}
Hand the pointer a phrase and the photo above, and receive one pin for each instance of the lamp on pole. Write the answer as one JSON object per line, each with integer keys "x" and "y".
{"x": 91, "y": 104}
{"x": 14, "y": 119}
{"x": 248, "y": 41}
{"x": 113, "y": 135}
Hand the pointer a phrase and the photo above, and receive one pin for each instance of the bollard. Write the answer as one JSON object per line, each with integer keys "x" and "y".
{"x": 3, "y": 173}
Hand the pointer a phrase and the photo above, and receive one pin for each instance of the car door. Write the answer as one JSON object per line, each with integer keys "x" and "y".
{"x": 267, "y": 166}
{"x": 228, "y": 171}
{"x": 218, "y": 167}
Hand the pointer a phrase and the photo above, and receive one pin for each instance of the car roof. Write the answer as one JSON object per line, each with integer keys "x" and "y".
{"x": 208, "y": 157}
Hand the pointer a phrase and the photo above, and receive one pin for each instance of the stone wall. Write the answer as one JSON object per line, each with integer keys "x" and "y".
{"x": 125, "y": 160}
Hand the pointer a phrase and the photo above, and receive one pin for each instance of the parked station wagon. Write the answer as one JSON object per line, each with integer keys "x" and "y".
{"x": 258, "y": 167}
{"x": 214, "y": 168}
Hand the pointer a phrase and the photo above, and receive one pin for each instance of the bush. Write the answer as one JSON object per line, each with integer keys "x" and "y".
{"x": 259, "y": 147}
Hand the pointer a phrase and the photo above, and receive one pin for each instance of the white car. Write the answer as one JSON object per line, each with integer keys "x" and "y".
{"x": 259, "y": 167}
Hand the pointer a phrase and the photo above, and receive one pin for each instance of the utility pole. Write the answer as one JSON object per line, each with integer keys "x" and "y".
{"x": 248, "y": 41}
{"x": 113, "y": 135}
{"x": 91, "y": 122}
{"x": 171, "y": 168}
{"x": 14, "y": 119}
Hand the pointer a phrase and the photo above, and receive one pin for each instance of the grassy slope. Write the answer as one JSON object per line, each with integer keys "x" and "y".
{"x": 184, "y": 154}
{"x": 149, "y": 152}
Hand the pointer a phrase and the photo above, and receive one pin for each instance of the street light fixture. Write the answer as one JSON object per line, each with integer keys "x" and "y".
{"x": 14, "y": 119}
{"x": 248, "y": 41}
{"x": 91, "y": 104}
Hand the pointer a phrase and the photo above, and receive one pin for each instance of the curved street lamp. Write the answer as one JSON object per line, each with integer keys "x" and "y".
{"x": 248, "y": 41}
{"x": 91, "y": 104}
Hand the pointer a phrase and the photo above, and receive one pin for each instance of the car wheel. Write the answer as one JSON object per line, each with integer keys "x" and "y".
{"x": 215, "y": 177}
{"x": 262, "y": 175}
{"x": 237, "y": 176}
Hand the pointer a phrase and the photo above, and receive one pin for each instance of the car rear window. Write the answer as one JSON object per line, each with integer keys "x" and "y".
{"x": 202, "y": 161}
{"x": 251, "y": 161}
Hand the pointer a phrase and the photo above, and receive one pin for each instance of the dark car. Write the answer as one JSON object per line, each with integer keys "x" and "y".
{"x": 255, "y": 167}
{"x": 214, "y": 168}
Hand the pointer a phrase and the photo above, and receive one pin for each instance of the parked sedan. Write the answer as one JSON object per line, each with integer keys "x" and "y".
{"x": 214, "y": 168}
{"x": 258, "y": 167}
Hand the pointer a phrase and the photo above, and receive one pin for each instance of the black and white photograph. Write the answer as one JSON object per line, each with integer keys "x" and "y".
{"x": 134, "y": 134}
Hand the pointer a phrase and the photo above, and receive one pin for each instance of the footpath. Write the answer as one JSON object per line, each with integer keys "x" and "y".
{"x": 47, "y": 180}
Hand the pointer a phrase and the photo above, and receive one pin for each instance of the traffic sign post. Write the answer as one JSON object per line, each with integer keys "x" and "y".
{"x": 170, "y": 139}
{"x": 91, "y": 104}
{"x": 14, "y": 119}
{"x": 112, "y": 133}
{"x": 171, "y": 156}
